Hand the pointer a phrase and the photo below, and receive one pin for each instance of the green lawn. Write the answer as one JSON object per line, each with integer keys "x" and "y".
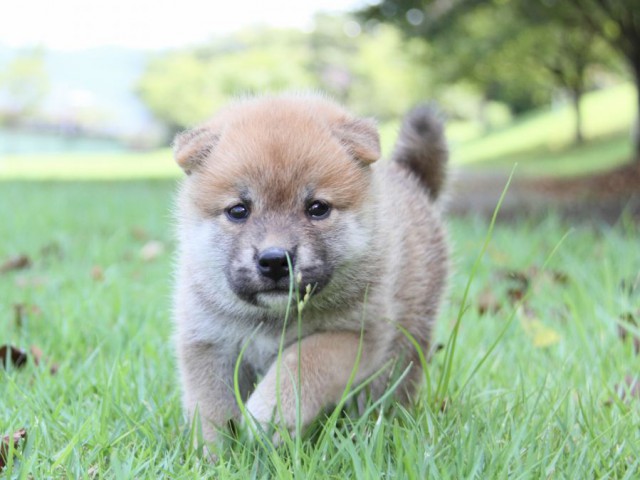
{"x": 539, "y": 142}
{"x": 89, "y": 166}
{"x": 607, "y": 113}
{"x": 541, "y": 404}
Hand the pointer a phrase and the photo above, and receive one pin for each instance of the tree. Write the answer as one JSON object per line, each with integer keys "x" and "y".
{"x": 184, "y": 88}
{"x": 25, "y": 83}
{"x": 177, "y": 90}
{"x": 375, "y": 73}
{"x": 574, "y": 25}
{"x": 568, "y": 58}
{"x": 615, "y": 21}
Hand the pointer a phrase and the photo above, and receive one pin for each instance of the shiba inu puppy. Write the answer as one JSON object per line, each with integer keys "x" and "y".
{"x": 282, "y": 193}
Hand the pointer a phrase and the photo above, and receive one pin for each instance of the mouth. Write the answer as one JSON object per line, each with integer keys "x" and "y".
{"x": 271, "y": 294}
{"x": 276, "y": 292}
{"x": 275, "y": 299}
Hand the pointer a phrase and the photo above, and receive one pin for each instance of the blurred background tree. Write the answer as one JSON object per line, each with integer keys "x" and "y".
{"x": 24, "y": 84}
{"x": 183, "y": 88}
{"x": 514, "y": 50}
{"x": 559, "y": 72}
{"x": 375, "y": 72}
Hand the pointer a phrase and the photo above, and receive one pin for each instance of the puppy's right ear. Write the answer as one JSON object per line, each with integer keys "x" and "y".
{"x": 193, "y": 147}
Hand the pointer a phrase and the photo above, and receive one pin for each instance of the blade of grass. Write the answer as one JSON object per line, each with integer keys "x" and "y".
{"x": 443, "y": 384}
{"x": 512, "y": 315}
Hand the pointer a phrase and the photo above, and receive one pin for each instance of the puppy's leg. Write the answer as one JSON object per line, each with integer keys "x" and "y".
{"x": 321, "y": 373}
{"x": 207, "y": 377}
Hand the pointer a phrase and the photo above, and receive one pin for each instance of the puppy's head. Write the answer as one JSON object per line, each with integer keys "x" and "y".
{"x": 277, "y": 188}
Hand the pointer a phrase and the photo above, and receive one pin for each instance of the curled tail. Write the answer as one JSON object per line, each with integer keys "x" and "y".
{"x": 421, "y": 148}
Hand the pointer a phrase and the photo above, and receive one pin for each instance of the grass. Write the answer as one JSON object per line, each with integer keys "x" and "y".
{"x": 539, "y": 142}
{"x": 607, "y": 113}
{"x": 157, "y": 164}
{"x": 543, "y": 403}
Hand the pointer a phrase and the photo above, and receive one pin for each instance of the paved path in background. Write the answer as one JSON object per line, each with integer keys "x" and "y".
{"x": 597, "y": 197}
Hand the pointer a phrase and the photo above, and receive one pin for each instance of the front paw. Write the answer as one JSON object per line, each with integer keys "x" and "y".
{"x": 273, "y": 404}
{"x": 262, "y": 407}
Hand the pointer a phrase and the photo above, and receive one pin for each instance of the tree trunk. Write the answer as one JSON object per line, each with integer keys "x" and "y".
{"x": 577, "y": 97}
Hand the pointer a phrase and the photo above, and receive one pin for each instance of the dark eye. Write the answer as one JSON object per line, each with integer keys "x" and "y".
{"x": 237, "y": 212}
{"x": 318, "y": 210}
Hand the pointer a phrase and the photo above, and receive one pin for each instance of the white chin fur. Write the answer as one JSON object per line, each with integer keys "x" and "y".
{"x": 275, "y": 301}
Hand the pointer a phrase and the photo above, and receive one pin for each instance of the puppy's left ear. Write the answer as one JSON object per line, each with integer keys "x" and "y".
{"x": 192, "y": 148}
{"x": 361, "y": 139}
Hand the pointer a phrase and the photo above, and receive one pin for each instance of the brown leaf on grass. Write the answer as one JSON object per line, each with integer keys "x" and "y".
{"x": 487, "y": 302}
{"x": 560, "y": 277}
{"x": 18, "y": 357}
{"x": 519, "y": 282}
{"x": 152, "y": 250}
{"x": 139, "y": 233}
{"x": 97, "y": 273}
{"x": 12, "y": 355}
{"x": 550, "y": 276}
{"x": 541, "y": 335}
{"x": 17, "y": 262}
{"x": 516, "y": 285}
{"x": 623, "y": 330}
{"x": 7, "y": 441}
{"x": 516, "y": 294}
{"x": 38, "y": 359}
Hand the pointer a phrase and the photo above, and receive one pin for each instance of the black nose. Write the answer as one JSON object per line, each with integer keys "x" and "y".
{"x": 272, "y": 263}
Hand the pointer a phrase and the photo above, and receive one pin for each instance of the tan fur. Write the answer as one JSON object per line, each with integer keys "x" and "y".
{"x": 378, "y": 259}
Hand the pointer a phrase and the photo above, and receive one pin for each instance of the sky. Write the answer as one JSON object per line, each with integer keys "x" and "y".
{"x": 147, "y": 24}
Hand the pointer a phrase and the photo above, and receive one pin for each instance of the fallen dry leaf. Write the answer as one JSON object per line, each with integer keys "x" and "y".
{"x": 560, "y": 277}
{"x": 516, "y": 285}
{"x": 520, "y": 282}
{"x": 17, "y": 262}
{"x": 487, "y": 302}
{"x": 18, "y": 357}
{"x": 97, "y": 273}
{"x": 139, "y": 233}
{"x": 15, "y": 356}
{"x": 8, "y": 440}
{"x": 553, "y": 276}
{"x": 152, "y": 250}
{"x": 541, "y": 335}
{"x": 38, "y": 358}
